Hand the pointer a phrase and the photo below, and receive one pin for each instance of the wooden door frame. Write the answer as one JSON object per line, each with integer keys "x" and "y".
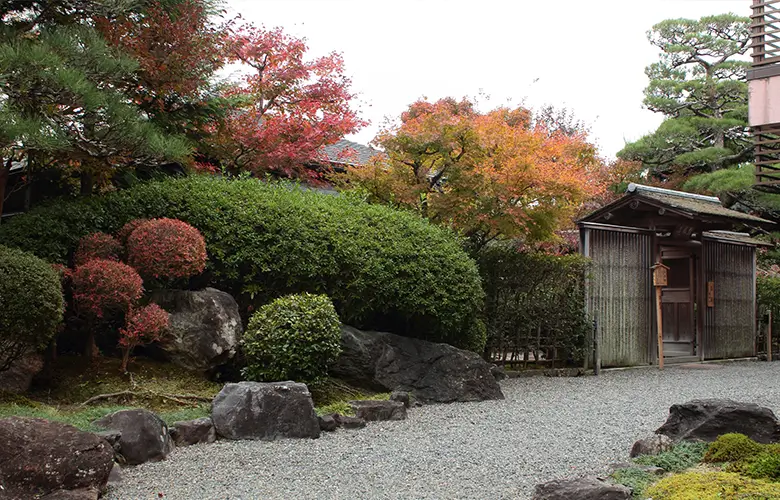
{"x": 694, "y": 249}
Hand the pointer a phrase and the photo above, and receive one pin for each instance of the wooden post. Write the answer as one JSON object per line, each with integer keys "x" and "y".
{"x": 660, "y": 280}
{"x": 769, "y": 338}
{"x": 659, "y": 320}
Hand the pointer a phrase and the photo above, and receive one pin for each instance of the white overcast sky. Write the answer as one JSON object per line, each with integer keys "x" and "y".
{"x": 586, "y": 55}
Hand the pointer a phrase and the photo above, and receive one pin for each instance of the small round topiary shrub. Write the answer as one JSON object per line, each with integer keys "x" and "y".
{"x": 296, "y": 337}
{"x": 123, "y": 234}
{"x": 763, "y": 466}
{"x": 100, "y": 286}
{"x": 31, "y": 304}
{"x": 144, "y": 325}
{"x": 732, "y": 447}
{"x": 97, "y": 246}
{"x": 166, "y": 249}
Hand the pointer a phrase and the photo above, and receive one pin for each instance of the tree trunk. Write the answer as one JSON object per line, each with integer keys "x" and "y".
{"x": 90, "y": 347}
{"x": 125, "y": 358}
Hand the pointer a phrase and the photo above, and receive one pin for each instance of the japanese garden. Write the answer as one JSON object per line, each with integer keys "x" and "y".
{"x": 209, "y": 288}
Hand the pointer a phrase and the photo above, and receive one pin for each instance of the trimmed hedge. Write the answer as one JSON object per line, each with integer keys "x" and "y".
{"x": 383, "y": 269}
{"x": 296, "y": 337}
{"x": 31, "y": 304}
{"x": 535, "y": 303}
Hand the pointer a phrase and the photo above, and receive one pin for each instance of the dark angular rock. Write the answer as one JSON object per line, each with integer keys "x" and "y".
{"x": 189, "y": 432}
{"x": 112, "y": 436}
{"x": 205, "y": 327}
{"x": 584, "y": 488}
{"x": 116, "y": 476}
{"x": 266, "y": 411}
{"x": 707, "y": 419}
{"x": 651, "y": 445}
{"x": 349, "y": 422}
{"x": 144, "y": 436}
{"x": 80, "y": 494}
{"x": 401, "y": 396}
{"x": 431, "y": 373}
{"x": 498, "y": 372}
{"x": 327, "y": 423}
{"x": 18, "y": 378}
{"x": 39, "y": 457}
{"x": 372, "y": 410}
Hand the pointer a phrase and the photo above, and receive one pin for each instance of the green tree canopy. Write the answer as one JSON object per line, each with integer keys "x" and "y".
{"x": 699, "y": 86}
{"x": 63, "y": 99}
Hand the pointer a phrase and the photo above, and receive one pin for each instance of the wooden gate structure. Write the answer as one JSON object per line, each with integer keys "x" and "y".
{"x": 708, "y": 304}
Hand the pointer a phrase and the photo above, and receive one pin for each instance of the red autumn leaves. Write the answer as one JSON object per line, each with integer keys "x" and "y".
{"x": 160, "y": 249}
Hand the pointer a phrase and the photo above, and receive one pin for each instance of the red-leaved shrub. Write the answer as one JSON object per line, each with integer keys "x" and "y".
{"x": 166, "y": 249}
{"x": 128, "y": 229}
{"x": 97, "y": 246}
{"x": 144, "y": 325}
{"x": 64, "y": 272}
{"x": 100, "y": 286}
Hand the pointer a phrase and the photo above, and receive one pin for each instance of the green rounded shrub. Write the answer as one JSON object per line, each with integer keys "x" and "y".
{"x": 763, "y": 466}
{"x": 384, "y": 269}
{"x": 31, "y": 304}
{"x": 732, "y": 447}
{"x": 712, "y": 486}
{"x": 296, "y": 337}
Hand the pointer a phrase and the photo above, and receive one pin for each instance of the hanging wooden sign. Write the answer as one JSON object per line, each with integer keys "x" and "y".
{"x": 710, "y": 294}
{"x": 660, "y": 275}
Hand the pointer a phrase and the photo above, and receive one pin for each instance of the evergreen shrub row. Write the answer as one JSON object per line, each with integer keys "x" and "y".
{"x": 383, "y": 269}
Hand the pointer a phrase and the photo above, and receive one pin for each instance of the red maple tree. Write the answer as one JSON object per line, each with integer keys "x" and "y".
{"x": 144, "y": 325}
{"x": 288, "y": 107}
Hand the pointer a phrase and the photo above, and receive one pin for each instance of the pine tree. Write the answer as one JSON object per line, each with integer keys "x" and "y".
{"x": 699, "y": 86}
{"x": 62, "y": 103}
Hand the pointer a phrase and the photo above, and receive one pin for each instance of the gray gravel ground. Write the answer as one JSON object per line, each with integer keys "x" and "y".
{"x": 546, "y": 428}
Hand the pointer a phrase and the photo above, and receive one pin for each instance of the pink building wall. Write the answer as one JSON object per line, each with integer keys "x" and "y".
{"x": 764, "y": 103}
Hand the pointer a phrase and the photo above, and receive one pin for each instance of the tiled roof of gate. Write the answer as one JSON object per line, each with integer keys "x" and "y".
{"x": 689, "y": 202}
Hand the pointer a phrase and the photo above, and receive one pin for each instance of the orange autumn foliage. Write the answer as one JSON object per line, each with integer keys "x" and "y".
{"x": 487, "y": 175}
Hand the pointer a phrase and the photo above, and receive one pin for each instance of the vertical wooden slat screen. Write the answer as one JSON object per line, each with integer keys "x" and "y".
{"x": 729, "y": 326}
{"x": 620, "y": 295}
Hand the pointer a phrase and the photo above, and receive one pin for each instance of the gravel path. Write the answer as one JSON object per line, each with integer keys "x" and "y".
{"x": 546, "y": 428}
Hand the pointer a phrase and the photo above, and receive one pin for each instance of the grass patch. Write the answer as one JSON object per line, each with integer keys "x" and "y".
{"x": 74, "y": 381}
{"x": 340, "y": 407}
{"x": 185, "y": 414}
{"x": 683, "y": 456}
{"x": 81, "y": 419}
{"x": 636, "y": 479}
{"x": 333, "y": 396}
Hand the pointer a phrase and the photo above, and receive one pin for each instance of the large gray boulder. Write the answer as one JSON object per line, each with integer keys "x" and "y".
{"x": 39, "y": 457}
{"x": 584, "y": 488}
{"x": 431, "y": 373}
{"x": 144, "y": 438}
{"x": 265, "y": 411}
{"x": 707, "y": 419}
{"x": 18, "y": 378}
{"x": 197, "y": 431}
{"x": 205, "y": 327}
